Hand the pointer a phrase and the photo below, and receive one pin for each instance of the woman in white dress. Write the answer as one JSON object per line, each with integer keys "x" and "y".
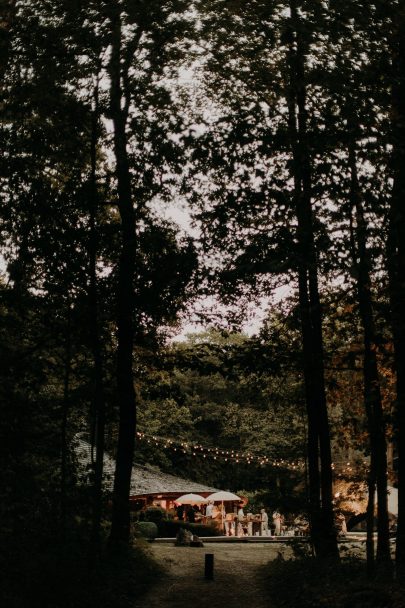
{"x": 265, "y": 522}
{"x": 277, "y": 523}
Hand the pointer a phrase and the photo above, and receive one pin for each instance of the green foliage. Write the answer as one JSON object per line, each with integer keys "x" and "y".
{"x": 285, "y": 493}
{"x": 60, "y": 234}
{"x": 169, "y": 528}
{"x": 55, "y": 574}
{"x": 148, "y": 529}
{"x": 208, "y": 390}
{"x": 318, "y": 584}
{"x": 154, "y": 514}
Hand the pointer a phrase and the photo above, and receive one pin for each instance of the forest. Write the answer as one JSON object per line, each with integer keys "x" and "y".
{"x": 202, "y": 222}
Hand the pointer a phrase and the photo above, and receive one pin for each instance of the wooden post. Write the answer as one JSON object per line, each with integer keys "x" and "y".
{"x": 209, "y": 566}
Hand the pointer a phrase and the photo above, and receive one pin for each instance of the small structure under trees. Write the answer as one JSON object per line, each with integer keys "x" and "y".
{"x": 149, "y": 485}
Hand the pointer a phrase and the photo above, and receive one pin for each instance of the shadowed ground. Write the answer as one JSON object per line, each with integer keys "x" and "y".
{"x": 238, "y": 572}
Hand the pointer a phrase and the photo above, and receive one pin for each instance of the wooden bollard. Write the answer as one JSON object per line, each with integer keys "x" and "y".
{"x": 209, "y": 566}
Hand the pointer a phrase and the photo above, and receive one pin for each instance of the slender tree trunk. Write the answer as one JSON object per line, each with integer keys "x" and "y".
{"x": 314, "y": 491}
{"x": 64, "y": 421}
{"x": 312, "y": 432}
{"x": 98, "y": 405}
{"x": 396, "y": 265}
{"x": 319, "y": 450}
{"x": 7, "y": 15}
{"x": 372, "y": 392}
{"x": 120, "y": 529}
{"x": 370, "y": 553}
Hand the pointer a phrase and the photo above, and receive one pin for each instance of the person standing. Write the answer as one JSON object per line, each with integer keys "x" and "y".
{"x": 215, "y": 512}
{"x": 241, "y": 518}
{"x": 209, "y": 510}
{"x": 250, "y": 519}
{"x": 341, "y": 524}
{"x": 265, "y": 522}
{"x": 190, "y": 515}
{"x": 277, "y": 523}
{"x": 228, "y": 524}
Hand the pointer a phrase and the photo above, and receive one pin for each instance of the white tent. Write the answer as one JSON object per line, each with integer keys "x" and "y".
{"x": 393, "y": 500}
{"x": 191, "y": 499}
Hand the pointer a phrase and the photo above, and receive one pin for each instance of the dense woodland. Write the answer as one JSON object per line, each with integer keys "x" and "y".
{"x": 277, "y": 128}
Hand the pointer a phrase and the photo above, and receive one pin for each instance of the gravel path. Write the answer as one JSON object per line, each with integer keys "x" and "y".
{"x": 237, "y": 576}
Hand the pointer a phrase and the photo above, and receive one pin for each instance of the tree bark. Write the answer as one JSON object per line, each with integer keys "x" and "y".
{"x": 396, "y": 264}
{"x": 98, "y": 400}
{"x": 372, "y": 392}
{"x": 64, "y": 421}
{"x": 120, "y": 529}
{"x": 8, "y": 12}
{"x": 370, "y": 553}
{"x": 319, "y": 449}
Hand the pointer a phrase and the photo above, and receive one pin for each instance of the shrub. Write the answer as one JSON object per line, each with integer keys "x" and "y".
{"x": 148, "y": 529}
{"x": 169, "y": 528}
{"x": 155, "y": 514}
{"x": 47, "y": 572}
{"x": 314, "y": 583}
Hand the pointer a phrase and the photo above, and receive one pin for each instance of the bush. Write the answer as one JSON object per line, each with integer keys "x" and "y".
{"x": 169, "y": 528}
{"x": 49, "y": 573}
{"x": 312, "y": 583}
{"x": 155, "y": 514}
{"x": 148, "y": 529}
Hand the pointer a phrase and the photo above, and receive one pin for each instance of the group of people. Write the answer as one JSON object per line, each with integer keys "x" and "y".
{"x": 202, "y": 513}
{"x": 251, "y": 524}
{"x": 236, "y": 523}
{"x": 190, "y": 513}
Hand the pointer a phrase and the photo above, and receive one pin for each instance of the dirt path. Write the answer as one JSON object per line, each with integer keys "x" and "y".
{"x": 237, "y": 579}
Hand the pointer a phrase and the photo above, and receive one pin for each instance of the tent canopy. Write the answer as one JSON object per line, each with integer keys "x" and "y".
{"x": 191, "y": 499}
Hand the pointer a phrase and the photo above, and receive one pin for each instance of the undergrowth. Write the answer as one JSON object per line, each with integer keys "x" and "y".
{"x": 310, "y": 583}
{"x": 48, "y": 573}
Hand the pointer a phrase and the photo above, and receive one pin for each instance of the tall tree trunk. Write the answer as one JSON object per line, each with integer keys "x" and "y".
{"x": 319, "y": 449}
{"x": 98, "y": 401}
{"x": 372, "y": 392}
{"x": 64, "y": 421}
{"x": 120, "y": 529}
{"x": 396, "y": 264}
{"x": 370, "y": 553}
{"x": 8, "y": 12}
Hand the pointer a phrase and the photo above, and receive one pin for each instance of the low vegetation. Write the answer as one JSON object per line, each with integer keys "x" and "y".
{"x": 50, "y": 573}
{"x": 309, "y": 583}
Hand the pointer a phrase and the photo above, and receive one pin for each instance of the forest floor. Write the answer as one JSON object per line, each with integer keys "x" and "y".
{"x": 263, "y": 575}
{"x": 238, "y": 576}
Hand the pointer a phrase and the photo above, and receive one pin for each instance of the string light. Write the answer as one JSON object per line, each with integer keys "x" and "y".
{"x": 218, "y": 454}
{"x": 342, "y": 469}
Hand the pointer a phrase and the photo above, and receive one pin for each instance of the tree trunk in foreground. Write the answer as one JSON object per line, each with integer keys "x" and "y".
{"x": 372, "y": 392}
{"x": 120, "y": 530}
{"x": 8, "y": 12}
{"x": 396, "y": 265}
{"x": 319, "y": 450}
{"x": 98, "y": 405}
{"x": 65, "y": 418}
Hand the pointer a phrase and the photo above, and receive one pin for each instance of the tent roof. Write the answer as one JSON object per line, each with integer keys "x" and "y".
{"x": 145, "y": 479}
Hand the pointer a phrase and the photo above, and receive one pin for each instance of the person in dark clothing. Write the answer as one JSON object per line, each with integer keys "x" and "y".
{"x": 180, "y": 512}
{"x": 190, "y": 515}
